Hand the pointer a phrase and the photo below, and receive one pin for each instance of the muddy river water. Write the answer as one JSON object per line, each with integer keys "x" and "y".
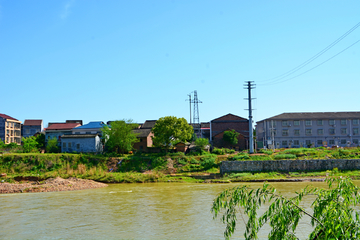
{"x": 125, "y": 211}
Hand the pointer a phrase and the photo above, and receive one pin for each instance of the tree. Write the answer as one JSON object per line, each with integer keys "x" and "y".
{"x": 201, "y": 143}
{"x": 169, "y": 130}
{"x": 333, "y": 214}
{"x": 230, "y": 137}
{"x": 52, "y": 145}
{"x": 40, "y": 139}
{"x": 29, "y": 144}
{"x": 120, "y": 138}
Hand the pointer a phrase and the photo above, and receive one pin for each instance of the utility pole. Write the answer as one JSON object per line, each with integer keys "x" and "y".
{"x": 250, "y": 85}
{"x": 189, "y": 95}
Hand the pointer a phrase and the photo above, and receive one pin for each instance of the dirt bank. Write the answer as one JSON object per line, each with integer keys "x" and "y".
{"x": 50, "y": 185}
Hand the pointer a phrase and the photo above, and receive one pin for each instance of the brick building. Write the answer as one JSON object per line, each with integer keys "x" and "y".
{"x": 228, "y": 122}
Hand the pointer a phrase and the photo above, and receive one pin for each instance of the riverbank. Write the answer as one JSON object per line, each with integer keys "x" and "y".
{"x": 50, "y": 185}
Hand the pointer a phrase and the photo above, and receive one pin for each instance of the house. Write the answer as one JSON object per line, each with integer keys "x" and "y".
{"x": 148, "y": 124}
{"x": 30, "y": 127}
{"x": 10, "y": 129}
{"x": 145, "y": 139}
{"x": 90, "y": 143}
{"x": 309, "y": 129}
{"x": 90, "y": 128}
{"x": 229, "y": 122}
{"x": 57, "y": 130}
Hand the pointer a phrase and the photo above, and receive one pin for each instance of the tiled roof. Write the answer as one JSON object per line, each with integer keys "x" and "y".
{"x": 229, "y": 115}
{"x": 141, "y": 132}
{"x": 80, "y": 136}
{"x": 63, "y": 126}
{"x": 91, "y": 125}
{"x": 149, "y": 124}
{"x": 315, "y": 115}
{"x": 7, "y": 117}
{"x": 29, "y": 122}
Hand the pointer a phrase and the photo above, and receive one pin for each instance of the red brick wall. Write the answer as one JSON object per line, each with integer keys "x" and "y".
{"x": 220, "y": 143}
{"x": 228, "y": 122}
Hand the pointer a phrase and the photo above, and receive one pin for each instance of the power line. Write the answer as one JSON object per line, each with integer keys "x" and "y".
{"x": 292, "y": 71}
{"x": 277, "y": 81}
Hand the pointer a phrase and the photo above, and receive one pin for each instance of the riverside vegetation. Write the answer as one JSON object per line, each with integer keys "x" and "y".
{"x": 161, "y": 167}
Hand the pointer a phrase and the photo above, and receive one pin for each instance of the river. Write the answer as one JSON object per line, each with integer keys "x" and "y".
{"x": 124, "y": 211}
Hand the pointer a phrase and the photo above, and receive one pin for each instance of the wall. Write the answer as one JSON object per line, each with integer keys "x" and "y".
{"x": 289, "y": 165}
{"x": 90, "y": 144}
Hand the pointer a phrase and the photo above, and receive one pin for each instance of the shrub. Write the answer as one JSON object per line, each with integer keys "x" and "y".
{"x": 208, "y": 162}
{"x": 218, "y": 151}
{"x": 284, "y": 156}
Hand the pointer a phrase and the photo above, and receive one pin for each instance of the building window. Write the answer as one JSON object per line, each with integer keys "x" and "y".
{"x": 285, "y": 132}
{"x": 308, "y": 142}
{"x": 78, "y": 146}
{"x": 296, "y": 122}
{"x": 331, "y": 122}
{"x": 284, "y": 123}
{"x": 296, "y": 143}
{"x": 319, "y": 142}
{"x": 355, "y": 131}
{"x": 319, "y": 122}
{"x": 77, "y": 132}
{"x": 297, "y": 132}
{"x": 273, "y": 124}
{"x": 332, "y": 142}
{"x": 273, "y": 132}
{"x": 27, "y": 131}
{"x": 343, "y": 122}
{"x": 344, "y": 131}
{"x": 141, "y": 139}
{"x": 284, "y": 143}
{"x": 355, "y": 121}
{"x": 69, "y": 145}
{"x": 332, "y": 131}
{"x": 356, "y": 141}
{"x": 308, "y": 122}
{"x": 308, "y": 131}
{"x": 64, "y": 145}
{"x": 320, "y": 131}
{"x": 343, "y": 141}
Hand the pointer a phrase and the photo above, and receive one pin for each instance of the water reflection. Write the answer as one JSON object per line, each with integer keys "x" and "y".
{"x": 123, "y": 211}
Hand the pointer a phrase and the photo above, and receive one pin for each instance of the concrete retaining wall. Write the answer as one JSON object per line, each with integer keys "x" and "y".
{"x": 289, "y": 165}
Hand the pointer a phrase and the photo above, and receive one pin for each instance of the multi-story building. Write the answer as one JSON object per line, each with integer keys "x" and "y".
{"x": 10, "y": 129}
{"x": 30, "y": 127}
{"x": 309, "y": 129}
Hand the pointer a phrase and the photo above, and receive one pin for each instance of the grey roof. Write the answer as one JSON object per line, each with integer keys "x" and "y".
{"x": 149, "y": 124}
{"x": 80, "y": 136}
{"x": 142, "y": 132}
{"x": 314, "y": 115}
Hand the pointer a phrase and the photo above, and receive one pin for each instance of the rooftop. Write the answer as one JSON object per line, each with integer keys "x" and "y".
{"x": 91, "y": 125}
{"x": 32, "y": 122}
{"x": 315, "y": 115}
{"x": 62, "y": 126}
{"x": 7, "y": 117}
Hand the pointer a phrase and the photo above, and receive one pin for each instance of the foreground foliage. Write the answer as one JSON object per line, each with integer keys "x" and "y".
{"x": 333, "y": 214}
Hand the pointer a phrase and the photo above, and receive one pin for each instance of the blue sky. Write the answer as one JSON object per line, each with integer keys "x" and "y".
{"x": 108, "y": 60}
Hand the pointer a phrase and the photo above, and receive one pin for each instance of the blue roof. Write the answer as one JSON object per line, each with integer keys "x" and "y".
{"x": 91, "y": 125}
